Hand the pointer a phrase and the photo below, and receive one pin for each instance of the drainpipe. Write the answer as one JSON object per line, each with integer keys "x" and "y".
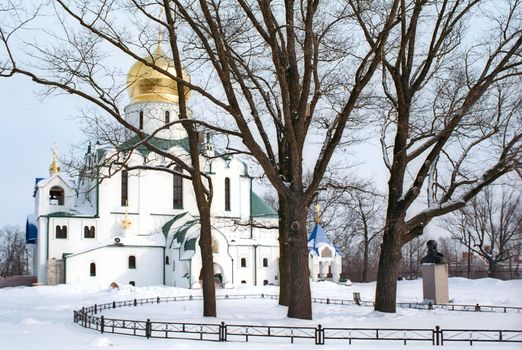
{"x": 255, "y": 264}
{"x": 164, "y": 266}
{"x": 232, "y": 271}
{"x": 251, "y": 219}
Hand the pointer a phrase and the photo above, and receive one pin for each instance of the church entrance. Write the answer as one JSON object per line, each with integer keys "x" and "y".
{"x": 218, "y": 276}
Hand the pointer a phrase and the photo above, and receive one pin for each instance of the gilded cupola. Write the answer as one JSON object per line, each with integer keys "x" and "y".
{"x": 148, "y": 85}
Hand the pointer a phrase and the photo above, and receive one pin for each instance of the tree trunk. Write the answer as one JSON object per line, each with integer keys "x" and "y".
{"x": 207, "y": 261}
{"x": 284, "y": 268}
{"x": 365, "y": 261}
{"x": 389, "y": 263}
{"x": 492, "y": 269}
{"x": 300, "y": 305}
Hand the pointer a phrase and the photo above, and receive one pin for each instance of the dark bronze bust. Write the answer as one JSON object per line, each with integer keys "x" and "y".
{"x": 433, "y": 256}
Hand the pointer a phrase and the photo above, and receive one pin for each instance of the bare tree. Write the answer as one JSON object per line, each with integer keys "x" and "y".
{"x": 489, "y": 226}
{"x": 451, "y": 121}
{"x": 353, "y": 215}
{"x": 78, "y": 65}
{"x": 412, "y": 252}
{"x": 13, "y": 253}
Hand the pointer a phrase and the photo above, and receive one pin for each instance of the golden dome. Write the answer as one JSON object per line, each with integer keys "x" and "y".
{"x": 148, "y": 85}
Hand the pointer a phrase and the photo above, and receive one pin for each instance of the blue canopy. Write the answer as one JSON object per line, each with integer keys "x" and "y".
{"x": 317, "y": 237}
{"x": 31, "y": 230}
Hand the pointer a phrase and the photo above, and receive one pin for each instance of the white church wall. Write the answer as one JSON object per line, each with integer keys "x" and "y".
{"x": 154, "y": 118}
{"x": 41, "y": 249}
{"x": 112, "y": 266}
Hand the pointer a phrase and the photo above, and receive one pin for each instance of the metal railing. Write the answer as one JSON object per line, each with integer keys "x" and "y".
{"x": 88, "y": 317}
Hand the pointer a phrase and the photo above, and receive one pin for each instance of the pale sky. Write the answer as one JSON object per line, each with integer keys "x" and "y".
{"x": 29, "y": 125}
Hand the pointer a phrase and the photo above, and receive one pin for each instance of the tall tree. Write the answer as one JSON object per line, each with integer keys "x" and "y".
{"x": 451, "y": 123}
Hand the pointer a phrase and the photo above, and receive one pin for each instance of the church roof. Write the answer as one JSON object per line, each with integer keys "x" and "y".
{"x": 317, "y": 237}
{"x": 163, "y": 144}
{"x": 260, "y": 208}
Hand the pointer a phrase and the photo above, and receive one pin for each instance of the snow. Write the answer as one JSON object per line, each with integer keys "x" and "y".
{"x": 41, "y": 317}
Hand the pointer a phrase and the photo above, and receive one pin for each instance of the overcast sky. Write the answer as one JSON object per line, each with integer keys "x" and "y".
{"x": 29, "y": 127}
{"x": 30, "y": 124}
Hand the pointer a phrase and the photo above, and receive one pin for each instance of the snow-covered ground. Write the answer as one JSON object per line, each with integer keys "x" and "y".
{"x": 41, "y": 317}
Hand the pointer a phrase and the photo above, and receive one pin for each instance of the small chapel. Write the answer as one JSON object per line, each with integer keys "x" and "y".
{"x": 141, "y": 227}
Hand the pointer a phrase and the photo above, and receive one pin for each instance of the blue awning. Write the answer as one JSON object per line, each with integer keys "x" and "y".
{"x": 36, "y": 181}
{"x": 31, "y": 230}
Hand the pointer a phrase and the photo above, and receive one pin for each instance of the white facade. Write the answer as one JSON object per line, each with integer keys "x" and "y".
{"x": 105, "y": 217}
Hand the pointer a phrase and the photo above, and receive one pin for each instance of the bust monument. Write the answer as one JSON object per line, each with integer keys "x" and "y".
{"x": 433, "y": 256}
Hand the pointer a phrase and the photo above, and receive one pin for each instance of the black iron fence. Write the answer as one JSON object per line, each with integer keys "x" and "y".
{"x": 88, "y": 317}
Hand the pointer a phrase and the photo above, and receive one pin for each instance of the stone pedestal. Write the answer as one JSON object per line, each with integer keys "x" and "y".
{"x": 435, "y": 283}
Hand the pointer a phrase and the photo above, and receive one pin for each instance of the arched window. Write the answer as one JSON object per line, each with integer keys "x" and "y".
{"x": 61, "y": 232}
{"x": 243, "y": 262}
{"x": 178, "y": 189}
{"x": 124, "y": 188}
{"x": 167, "y": 260}
{"x": 167, "y": 117}
{"x": 132, "y": 262}
{"x": 215, "y": 246}
{"x": 89, "y": 232}
{"x": 92, "y": 269}
{"x": 56, "y": 196}
{"x": 265, "y": 262}
{"x": 227, "y": 194}
{"x": 326, "y": 253}
{"x": 141, "y": 120}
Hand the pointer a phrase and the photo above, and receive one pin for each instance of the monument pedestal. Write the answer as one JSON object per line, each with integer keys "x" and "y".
{"x": 435, "y": 283}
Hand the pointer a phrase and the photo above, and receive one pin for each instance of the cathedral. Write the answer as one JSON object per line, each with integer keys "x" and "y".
{"x": 141, "y": 227}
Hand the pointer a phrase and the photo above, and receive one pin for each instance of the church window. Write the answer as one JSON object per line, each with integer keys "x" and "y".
{"x": 124, "y": 188}
{"x": 243, "y": 262}
{"x": 89, "y": 232}
{"x": 167, "y": 260}
{"x": 61, "y": 232}
{"x": 56, "y": 196}
{"x": 178, "y": 189}
{"x": 167, "y": 117}
{"x": 132, "y": 262}
{"x": 215, "y": 246}
{"x": 265, "y": 262}
{"x": 92, "y": 269}
{"x": 141, "y": 120}
{"x": 326, "y": 253}
{"x": 227, "y": 194}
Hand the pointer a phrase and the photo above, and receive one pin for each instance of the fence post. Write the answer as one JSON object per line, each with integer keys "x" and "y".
{"x": 430, "y": 306}
{"x": 319, "y": 335}
{"x": 477, "y": 308}
{"x": 437, "y": 333}
{"x": 114, "y": 305}
{"x": 158, "y": 300}
{"x": 148, "y": 328}
{"x": 328, "y": 300}
{"x": 222, "y": 332}
{"x": 95, "y": 309}
{"x": 190, "y": 297}
{"x": 102, "y": 324}
{"x": 135, "y": 302}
